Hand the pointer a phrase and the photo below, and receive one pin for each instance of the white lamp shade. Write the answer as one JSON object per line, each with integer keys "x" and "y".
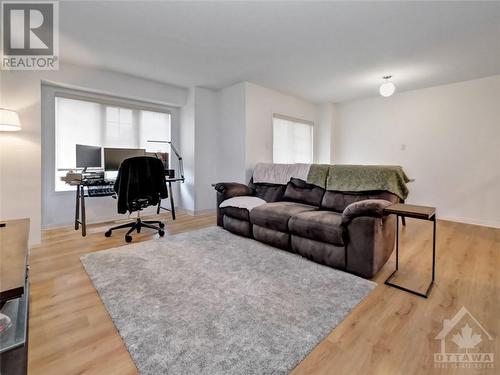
{"x": 9, "y": 120}
{"x": 387, "y": 89}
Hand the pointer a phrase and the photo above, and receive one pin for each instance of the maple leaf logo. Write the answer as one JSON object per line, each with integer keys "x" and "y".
{"x": 466, "y": 339}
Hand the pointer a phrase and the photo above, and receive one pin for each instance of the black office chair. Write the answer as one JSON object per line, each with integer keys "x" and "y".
{"x": 140, "y": 183}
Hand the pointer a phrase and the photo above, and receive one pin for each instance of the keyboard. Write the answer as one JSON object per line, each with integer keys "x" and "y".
{"x": 100, "y": 190}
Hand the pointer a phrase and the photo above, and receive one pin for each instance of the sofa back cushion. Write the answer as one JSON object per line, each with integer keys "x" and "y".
{"x": 337, "y": 200}
{"x": 269, "y": 192}
{"x": 300, "y": 191}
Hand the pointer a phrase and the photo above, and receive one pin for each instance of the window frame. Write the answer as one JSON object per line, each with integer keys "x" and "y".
{"x": 51, "y": 90}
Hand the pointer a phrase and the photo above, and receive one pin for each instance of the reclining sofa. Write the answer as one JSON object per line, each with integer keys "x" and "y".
{"x": 344, "y": 229}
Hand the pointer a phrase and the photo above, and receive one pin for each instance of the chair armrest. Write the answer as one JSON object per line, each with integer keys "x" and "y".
{"x": 232, "y": 189}
{"x": 366, "y": 207}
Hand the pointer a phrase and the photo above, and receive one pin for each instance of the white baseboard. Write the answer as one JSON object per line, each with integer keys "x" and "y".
{"x": 200, "y": 212}
{"x": 103, "y": 219}
{"x": 466, "y": 220}
{"x": 121, "y": 217}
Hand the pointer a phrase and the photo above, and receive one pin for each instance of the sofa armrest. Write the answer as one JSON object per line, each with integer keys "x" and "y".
{"x": 232, "y": 189}
{"x": 226, "y": 190}
{"x": 366, "y": 207}
{"x": 370, "y": 244}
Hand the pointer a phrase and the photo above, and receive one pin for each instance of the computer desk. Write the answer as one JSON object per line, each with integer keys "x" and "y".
{"x": 80, "y": 215}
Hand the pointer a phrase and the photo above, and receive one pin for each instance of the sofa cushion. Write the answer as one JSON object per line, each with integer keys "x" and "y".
{"x": 319, "y": 252}
{"x": 237, "y": 226}
{"x": 268, "y": 192}
{"x": 276, "y": 215}
{"x": 301, "y": 192}
{"x": 337, "y": 200}
{"x": 323, "y": 226}
{"x": 237, "y": 213}
{"x": 271, "y": 237}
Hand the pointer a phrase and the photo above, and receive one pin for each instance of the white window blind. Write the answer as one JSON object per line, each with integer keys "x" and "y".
{"x": 99, "y": 124}
{"x": 292, "y": 140}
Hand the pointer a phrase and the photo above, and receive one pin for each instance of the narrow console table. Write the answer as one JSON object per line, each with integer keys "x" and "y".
{"x": 416, "y": 212}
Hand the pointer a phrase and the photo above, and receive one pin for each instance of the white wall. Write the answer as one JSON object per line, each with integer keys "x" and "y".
{"x": 245, "y": 130}
{"x": 323, "y": 141}
{"x": 231, "y": 134}
{"x": 20, "y": 153}
{"x": 206, "y": 143}
{"x": 187, "y": 151}
{"x": 446, "y": 137}
{"x": 261, "y": 104}
{"x": 198, "y": 148}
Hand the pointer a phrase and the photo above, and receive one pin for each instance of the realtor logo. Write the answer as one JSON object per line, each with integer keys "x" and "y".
{"x": 470, "y": 345}
{"x": 30, "y": 35}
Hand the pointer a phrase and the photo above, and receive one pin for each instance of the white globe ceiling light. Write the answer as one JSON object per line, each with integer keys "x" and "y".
{"x": 387, "y": 88}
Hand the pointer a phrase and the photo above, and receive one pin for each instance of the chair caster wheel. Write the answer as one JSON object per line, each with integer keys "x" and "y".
{"x": 162, "y": 225}
{"x": 161, "y": 233}
{"x": 128, "y": 238}
{"x": 107, "y": 233}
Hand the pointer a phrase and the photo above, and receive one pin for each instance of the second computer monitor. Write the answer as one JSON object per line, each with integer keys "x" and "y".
{"x": 113, "y": 157}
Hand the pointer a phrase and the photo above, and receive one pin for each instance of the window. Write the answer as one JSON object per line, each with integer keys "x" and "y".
{"x": 99, "y": 124}
{"x": 292, "y": 140}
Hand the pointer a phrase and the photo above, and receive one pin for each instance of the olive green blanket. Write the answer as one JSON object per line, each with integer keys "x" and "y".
{"x": 358, "y": 178}
{"x": 318, "y": 174}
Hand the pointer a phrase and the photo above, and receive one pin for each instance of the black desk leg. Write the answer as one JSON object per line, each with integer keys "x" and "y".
{"x": 77, "y": 208}
{"x": 84, "y": 222}
{"x": 172, "y": 206}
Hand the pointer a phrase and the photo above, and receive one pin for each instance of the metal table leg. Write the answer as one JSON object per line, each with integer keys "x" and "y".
{"x": 77, "y": 208}
{"x": 83, "y": 222}
{"x": 172, "y": 206}
{"x": 433, "y": 251}
{"x": 387, "y": 281}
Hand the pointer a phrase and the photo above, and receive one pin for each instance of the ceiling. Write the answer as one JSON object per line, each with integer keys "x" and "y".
{"x": 320, "y": 51}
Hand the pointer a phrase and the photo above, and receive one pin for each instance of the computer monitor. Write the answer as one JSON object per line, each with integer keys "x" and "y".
{"x": 88, "y": 156}
{"x": 113, "y": 157}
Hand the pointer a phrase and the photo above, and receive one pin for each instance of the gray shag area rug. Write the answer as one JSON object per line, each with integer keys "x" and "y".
{"x": 210, "y": 302}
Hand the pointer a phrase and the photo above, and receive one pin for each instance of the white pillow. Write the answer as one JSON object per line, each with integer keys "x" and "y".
{"x": 243, "y": 202}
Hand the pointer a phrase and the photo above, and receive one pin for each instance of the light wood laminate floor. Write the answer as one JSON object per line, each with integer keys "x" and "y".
{"x": 390, "y": 332}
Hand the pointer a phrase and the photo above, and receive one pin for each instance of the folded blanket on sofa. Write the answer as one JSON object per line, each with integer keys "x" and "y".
{"x": 318, "y": 174}
{"x": 358, "y": 178}
{"x": 279, "y": 173}
{"x": 246, "y": 202}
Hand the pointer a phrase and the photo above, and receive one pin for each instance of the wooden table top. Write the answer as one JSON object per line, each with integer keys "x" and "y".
{"x": 411, "y": 210}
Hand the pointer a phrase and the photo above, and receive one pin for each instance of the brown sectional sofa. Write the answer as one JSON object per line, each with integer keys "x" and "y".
{"x": 343, "y": 230}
